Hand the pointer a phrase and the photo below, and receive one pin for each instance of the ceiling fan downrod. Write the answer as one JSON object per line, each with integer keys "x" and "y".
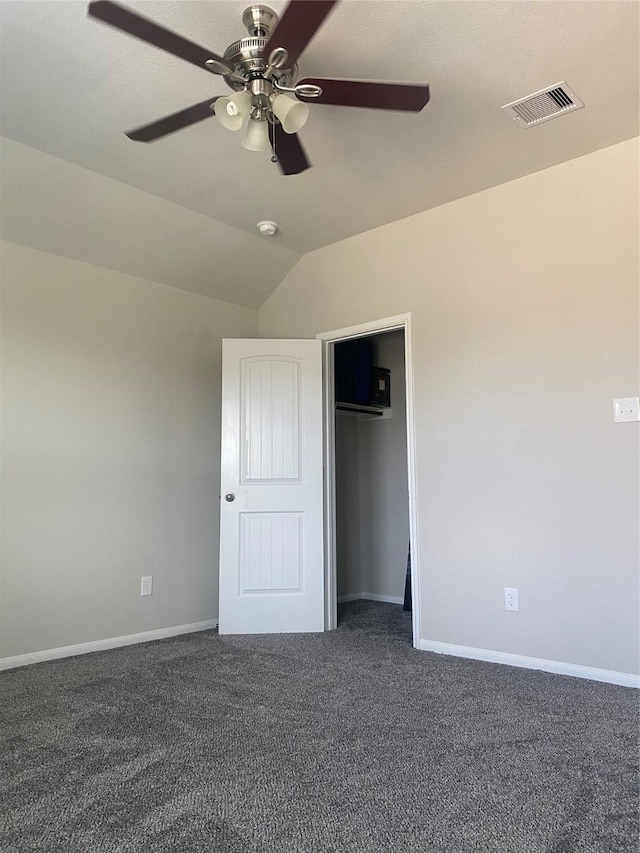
{"x": 259, "y": 20}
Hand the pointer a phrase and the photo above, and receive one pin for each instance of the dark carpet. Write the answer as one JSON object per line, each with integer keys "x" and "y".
{"x": 346, "y": 741}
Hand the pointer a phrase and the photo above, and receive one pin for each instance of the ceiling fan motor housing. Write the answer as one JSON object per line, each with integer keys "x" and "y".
{"x": 245, "y": 55}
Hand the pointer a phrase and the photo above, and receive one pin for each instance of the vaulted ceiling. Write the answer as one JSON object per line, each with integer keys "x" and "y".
{"x": 182, "y": 210}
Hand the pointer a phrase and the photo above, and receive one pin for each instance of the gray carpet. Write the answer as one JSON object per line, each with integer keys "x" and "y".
{"x": 347, "y": 741}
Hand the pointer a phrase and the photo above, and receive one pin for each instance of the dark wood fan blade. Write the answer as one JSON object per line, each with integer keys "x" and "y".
{"x": 367, "y": 93}
{"x": 142, "y": 28}
{"x": 297, "y": 26}
{"x": 176, "y": 121}
{"x": 288, "y": 148}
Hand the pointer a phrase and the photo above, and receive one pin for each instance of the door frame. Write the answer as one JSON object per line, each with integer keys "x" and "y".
{"x": 329, "y": 339}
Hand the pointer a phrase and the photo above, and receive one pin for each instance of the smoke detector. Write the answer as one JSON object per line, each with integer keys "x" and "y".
{"x": 267, "y": 227}
{"x": 546, "y": 104}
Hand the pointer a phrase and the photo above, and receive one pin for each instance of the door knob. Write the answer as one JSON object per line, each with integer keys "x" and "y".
{"x": 230, "y": 497}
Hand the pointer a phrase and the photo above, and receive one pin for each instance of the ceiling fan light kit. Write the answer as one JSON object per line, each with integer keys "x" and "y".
{"x": 260, "y": 69}
{"x": 291, "y": 114}
{"x": 232, "y": 111}
{"x": 257, "y": 136}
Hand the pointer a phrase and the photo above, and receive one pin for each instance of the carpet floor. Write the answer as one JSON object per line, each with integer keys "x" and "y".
{"x": 347, "y": 741}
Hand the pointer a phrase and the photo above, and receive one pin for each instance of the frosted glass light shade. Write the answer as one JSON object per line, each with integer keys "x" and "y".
{"x": 292, "y": 114}
{"x": 257, "y": 136}
{"x": 232, "y": 111}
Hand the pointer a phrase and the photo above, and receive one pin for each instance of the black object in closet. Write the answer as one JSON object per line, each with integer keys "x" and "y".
{"x": 407, "y": 583}
{"x": 353, "y": 362}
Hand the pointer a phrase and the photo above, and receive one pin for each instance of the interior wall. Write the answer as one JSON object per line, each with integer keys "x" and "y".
{"x": 524, "y": 314}
{"x": 347, "y": 507}
{"x": 384, "y": 501}
{"x": 110, "y": 451}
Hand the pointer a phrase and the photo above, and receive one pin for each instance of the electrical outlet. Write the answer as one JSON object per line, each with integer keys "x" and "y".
{"x": 626, "y": 409}
{"x": 146, "y": 585}
{"x": 510, "y": 598}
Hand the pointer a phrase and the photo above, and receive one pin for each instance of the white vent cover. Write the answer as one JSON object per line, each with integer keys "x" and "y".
{"x": 544, "y": 105}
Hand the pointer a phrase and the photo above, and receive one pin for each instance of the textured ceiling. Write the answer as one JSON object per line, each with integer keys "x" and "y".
{"x": 58, "y": 207}
{"x": 71, "y": 86}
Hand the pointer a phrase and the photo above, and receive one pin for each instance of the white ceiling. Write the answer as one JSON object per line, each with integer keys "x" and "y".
{"x": 71, "y": 86}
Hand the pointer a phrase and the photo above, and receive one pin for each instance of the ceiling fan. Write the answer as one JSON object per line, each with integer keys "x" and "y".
{"x": 262, "y": 70}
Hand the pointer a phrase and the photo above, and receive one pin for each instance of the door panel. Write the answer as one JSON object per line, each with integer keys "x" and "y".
{"x": 271, "y": 514}
{"x": 271, "y": 420}
{"x": 270, "y": 555}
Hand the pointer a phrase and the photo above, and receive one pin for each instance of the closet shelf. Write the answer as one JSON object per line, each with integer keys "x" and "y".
{"x": 364, "y": 413}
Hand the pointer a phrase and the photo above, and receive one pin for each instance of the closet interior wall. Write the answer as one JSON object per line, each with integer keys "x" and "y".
{"x": 372, "y": 506}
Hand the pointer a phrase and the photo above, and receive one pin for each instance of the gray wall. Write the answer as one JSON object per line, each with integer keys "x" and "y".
{"x": 110, "y": 451}
{"x": 347, "y": 506}
{"x": 524, "y": 303}
{"x": 384, "y": 503}
{"x": 371, "y": 485}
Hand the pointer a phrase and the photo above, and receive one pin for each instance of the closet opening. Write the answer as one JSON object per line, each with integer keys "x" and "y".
{"x": 371, "y": 565}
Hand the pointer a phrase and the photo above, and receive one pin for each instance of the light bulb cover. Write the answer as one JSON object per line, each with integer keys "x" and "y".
{"x": 292, "y": 114}
{"x": 257, "y": 136}
{"x": 232, "y": 111}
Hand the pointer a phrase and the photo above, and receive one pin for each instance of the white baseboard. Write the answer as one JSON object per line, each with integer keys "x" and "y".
{"x": 624, "y": 679}
{"x": 103, "y": 645}
{"x": 370, "y": 596}
{"x": 389, "y": 599}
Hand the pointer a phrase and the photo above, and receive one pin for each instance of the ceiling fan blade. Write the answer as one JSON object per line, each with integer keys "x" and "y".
{"x": 297, "y": 26}
{"x": 367, "y": 93}
{"x": 134, "y": 24}
{"x": 175, "y": 121}
{"x": 292, "y": 158}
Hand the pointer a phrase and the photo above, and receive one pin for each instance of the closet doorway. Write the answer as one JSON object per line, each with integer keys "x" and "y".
{"x": 370, "y": 463}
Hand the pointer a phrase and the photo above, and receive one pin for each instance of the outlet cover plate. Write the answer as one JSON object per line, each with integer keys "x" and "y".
{"x": 626, "y": 410}
{"x": 146, "y": 585}
{"x": 510, "y": 598}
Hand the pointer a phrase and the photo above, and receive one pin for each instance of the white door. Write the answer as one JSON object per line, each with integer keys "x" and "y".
{"x": 271, "y": 506}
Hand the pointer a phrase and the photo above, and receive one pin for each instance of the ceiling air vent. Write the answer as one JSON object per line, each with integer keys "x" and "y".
{"x": 542, "y": 106}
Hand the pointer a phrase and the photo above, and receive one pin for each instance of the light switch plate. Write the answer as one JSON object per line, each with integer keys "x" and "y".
{"x": 626, "y": 409}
